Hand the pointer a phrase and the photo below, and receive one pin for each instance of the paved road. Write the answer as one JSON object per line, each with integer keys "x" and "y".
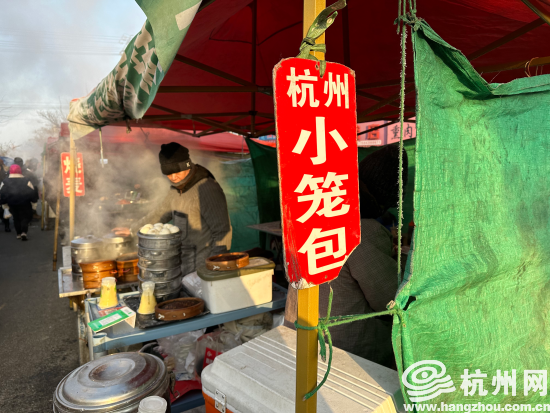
{"x": 38, "y": 331}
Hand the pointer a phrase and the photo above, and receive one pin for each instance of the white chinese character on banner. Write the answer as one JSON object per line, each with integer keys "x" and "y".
{"x": 535, "y": 380}
{"x": 295, "y": 89}
{"x": 79, "y": 166}
{"x": 338, "y": 89}
{"x": 311, "y": 247}
{"x": 505, "y": 381}
{"x": 77, "y": 184}
{"x": 67, "y": 165}
{"x": 321, "y": 141}
{"x": 331, "y": 199}
{"x": 473, "y": 382}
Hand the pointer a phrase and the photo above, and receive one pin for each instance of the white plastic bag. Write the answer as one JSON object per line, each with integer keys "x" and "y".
{"x": 207, "y": 348}
{"x": 178, "y": 346}
{"x": 278, "y": 320}
{"x": 7, "y": 214}
{"x": 250, "y": 327}
{"x": 192, "y": 283}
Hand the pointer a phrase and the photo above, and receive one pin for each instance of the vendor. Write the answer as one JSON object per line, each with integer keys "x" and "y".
{"x": 196, "y": 204}
{"x": 368, "y": 280}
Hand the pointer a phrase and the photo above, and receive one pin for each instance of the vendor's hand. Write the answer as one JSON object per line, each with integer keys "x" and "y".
{"x": 122, "y": 231}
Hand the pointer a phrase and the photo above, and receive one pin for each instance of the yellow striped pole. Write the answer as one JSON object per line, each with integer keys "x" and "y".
{"x": 308, "y": 299}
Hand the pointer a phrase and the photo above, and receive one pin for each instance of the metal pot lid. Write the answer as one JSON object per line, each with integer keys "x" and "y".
{"x": 86, "y": 242}
{"x": 116, "y": 239}
{"x": 111, "y": 382}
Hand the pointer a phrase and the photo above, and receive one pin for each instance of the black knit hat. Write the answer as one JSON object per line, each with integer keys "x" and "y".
{"x": 174, "y": 158}
{"x": 379, "y": 180}
{"x": 18, "y": 161}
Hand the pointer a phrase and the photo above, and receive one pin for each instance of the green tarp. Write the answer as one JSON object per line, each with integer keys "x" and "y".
{"x": 477, "y": 285}
{"x": 264, "y": 159}
{"x": 129, "y": 90}
{"x": 235, "y": 174}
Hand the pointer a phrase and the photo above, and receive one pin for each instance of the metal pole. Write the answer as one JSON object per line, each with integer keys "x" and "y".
{"x": 57, "y": 208}
{"x": 43, "y": 218}
{"x": 101, "y": 148}
{"x": 73, "y": 192}
{"x": 308, "y": 299}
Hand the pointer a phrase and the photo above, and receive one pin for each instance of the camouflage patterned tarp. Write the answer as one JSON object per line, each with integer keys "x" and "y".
{"x": 129, "y": 90}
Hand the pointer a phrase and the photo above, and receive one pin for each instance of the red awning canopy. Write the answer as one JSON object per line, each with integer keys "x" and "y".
{"x": 209, "y": 86}
{"x": 113, "y": 136}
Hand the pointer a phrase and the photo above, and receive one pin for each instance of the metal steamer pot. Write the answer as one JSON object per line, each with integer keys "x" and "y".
{"x": 165, "y": 287}
{"x": 159, "y": 254}
{"x": 158, "y": 241}
{"x": 85, "y": 249}
{"x": 165, "y": 264}
{"x": 147, "y": 274}
{"x": 116, "y": 245}
{"x": 114, "y": 384}
{"x": 165, "y": 296}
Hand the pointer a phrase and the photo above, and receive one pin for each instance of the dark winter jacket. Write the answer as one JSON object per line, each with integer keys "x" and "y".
{"x": 17, "y": 190}
{"x": 199, "y": 209}
{"x": 31, "y": 176}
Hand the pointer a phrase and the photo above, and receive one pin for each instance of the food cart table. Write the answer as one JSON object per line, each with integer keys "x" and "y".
{"x": 272, "y": 228}
{"x": 275, "y": 230}
{"x": 122, "y": 334}
{"x": 73, "y": 287}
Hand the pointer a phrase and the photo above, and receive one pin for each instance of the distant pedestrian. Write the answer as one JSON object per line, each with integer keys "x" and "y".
{"x": 18, "y": 193}
{"x": 28, "y": 171}
{"x": 3, "y": 175}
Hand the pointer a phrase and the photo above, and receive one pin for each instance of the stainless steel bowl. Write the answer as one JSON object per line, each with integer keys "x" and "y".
{"x": 115, "y": 383}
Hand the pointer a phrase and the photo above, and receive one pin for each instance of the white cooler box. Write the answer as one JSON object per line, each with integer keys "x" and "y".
{"x": 260, "y": 377}
{"x": 235, "y": 289}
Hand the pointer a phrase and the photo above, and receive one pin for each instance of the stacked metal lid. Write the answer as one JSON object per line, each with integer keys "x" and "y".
{"x": 86, "y": 249}
{"x": 160, "y": 262}
{"x": 117, "y": 245}
{"x": 112, "y": 383}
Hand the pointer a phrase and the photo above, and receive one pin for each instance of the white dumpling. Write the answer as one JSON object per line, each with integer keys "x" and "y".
{"x": 164, "y": 231}
{"x": 158, "y": 225}
{"x": 153, "y": 232}
{"x": 148, "y": 226}
{"x": 145, "y": 230}
{"x": 174, "y": 229}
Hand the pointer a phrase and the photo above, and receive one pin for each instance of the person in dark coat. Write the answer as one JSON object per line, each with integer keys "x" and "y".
{"x": 17, "y": 194}
{"x": 28, "y": 170}
{"x": 4, "y": 175}
{"x": 197, "y": 205}
{"x": 368, "y": 279}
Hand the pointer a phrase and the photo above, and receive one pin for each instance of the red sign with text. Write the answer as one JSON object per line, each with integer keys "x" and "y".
{"x": 316, "y": 123}
{"x": 66, "y": 172}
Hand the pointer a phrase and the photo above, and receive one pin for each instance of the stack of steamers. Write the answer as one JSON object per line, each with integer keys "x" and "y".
{"x": 159, "y": 252}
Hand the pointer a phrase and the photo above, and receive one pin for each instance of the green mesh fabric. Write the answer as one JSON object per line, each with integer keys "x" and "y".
{"x": 235, "y": 174}
{"x": 477, "y": 283}
{"x": 264, "y": 159}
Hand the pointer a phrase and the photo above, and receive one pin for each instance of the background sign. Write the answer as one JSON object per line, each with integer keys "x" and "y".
{"x": 316, "y": 125}
{"x": 79, "y": 174}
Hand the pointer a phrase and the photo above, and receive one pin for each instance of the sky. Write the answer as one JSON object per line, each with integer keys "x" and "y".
{"x": 55, "y": 51}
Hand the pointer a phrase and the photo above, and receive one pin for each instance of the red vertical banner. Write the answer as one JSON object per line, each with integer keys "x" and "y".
{"x": 79, "y": 174}
{"x": 316, "y": 123}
